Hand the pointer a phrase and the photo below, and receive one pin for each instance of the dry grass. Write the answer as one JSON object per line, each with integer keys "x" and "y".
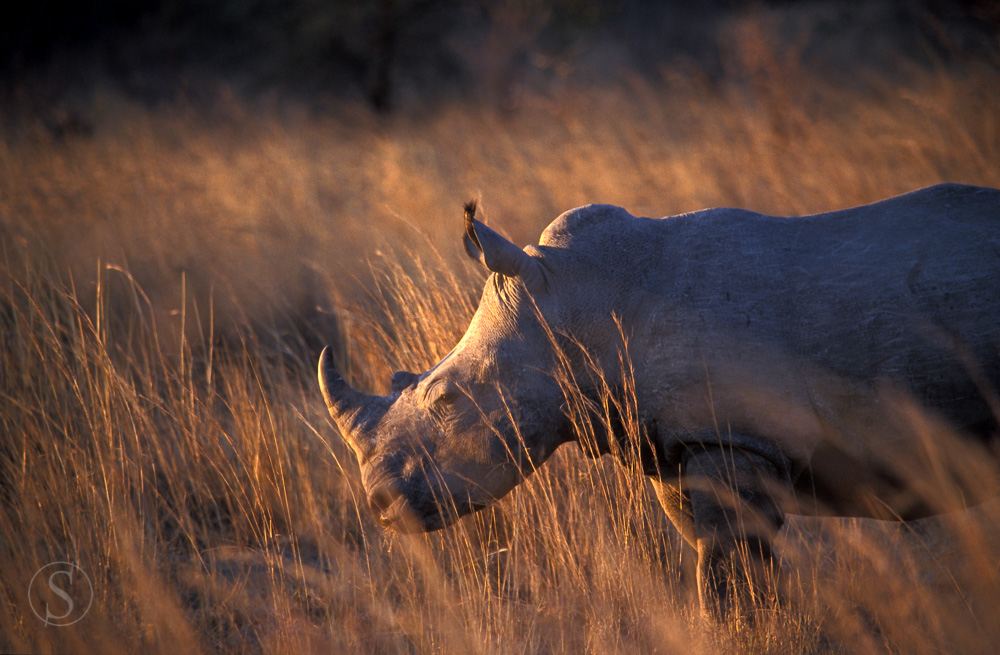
{"x": 167, "y": 282}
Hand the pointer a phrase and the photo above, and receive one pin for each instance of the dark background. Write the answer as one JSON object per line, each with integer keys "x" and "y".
{"x": 407, "y": 54}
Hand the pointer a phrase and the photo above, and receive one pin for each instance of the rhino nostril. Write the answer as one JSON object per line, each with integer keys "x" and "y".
{"x": 381, "y": 497}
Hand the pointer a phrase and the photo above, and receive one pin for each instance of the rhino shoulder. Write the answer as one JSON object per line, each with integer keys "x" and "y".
{"x": 580, "y": 221}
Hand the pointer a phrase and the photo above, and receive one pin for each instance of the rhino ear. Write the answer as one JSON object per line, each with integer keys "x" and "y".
{"x": 498, "y": 254}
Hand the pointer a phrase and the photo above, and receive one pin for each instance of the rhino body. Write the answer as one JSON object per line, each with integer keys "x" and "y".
{"x": 754, "y": 365}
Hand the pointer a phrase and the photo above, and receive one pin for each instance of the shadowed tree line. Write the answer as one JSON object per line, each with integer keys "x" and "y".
{"x": 391, "y": 52}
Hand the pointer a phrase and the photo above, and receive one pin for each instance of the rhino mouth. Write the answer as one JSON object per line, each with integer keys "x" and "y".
{"x": 396, "y": 510}
{"x": 402, "y": 517}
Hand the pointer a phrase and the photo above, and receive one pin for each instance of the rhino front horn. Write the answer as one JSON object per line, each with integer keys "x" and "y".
{"x": 355, "y": 413}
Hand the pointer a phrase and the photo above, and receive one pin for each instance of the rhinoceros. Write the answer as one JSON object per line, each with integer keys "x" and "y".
{"x": 755, "y": 365}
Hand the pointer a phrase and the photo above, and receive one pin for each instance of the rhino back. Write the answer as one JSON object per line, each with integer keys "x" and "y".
{"x": 865, "y": 292}
{"x": 903, "y": 292}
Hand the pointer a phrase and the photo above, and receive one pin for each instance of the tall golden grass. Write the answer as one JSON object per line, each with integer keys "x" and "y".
{"x": 166, "y": 285}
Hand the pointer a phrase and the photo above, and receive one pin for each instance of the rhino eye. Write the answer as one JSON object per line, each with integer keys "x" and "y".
{"x": 442, "y": 395}
{"x": 445, "y": 397}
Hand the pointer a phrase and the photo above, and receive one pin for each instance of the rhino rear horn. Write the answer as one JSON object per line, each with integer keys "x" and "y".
{"x": 498, "y": 254}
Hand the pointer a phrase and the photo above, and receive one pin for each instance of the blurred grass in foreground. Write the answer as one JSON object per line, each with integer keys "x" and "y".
{"x": 166, "y": 283}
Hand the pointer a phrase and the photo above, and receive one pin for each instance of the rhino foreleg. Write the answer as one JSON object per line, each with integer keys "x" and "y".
{"x": 735, "y": 516}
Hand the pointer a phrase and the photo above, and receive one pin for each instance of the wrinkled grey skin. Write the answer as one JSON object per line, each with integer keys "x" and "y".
{"x": 774, "y": 363}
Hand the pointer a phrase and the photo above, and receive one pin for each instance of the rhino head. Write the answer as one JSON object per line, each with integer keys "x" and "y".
{"x": 454, "y": 439}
